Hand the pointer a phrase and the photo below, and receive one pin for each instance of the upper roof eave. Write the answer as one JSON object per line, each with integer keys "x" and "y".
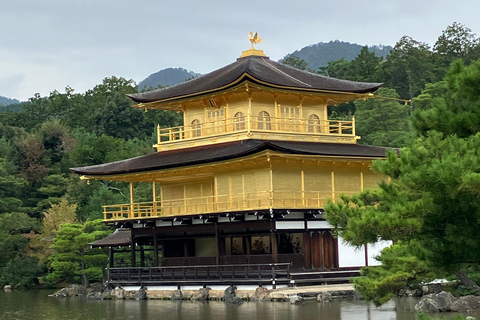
{"x": 257, "y": 69}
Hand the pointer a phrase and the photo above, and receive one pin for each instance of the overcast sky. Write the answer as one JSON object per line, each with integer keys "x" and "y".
{"x": 46, "y": 45}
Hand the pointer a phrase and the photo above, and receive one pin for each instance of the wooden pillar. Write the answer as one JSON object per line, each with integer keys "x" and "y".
{"x": 155, "y": 250}
{"x": 142, "y": 256}
{"x": 274, "y": 245}
{"x": 307, "y": 251}
{"x": 111, "y": 252}
{"x": 132, "y": 251}
{"x": 217, "y": 253}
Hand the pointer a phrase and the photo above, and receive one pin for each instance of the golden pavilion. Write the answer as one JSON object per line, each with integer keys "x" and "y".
{"x": 238, "y": 191}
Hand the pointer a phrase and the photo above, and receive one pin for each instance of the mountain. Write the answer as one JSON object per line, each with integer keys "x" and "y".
{"x": 166, "y": 77}
{"x": 318, "y": 55}
{"x": 6, "y": 101}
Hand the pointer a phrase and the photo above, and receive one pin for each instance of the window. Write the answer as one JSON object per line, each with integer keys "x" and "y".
{"x": 239, "y": 121}
{"x": 314, "y": 123}
{"x": 264, "y": 121}
{"x": 196, "y": 128}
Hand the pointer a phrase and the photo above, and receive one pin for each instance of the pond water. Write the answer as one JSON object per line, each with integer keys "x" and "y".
{"x": 39, "y": 306}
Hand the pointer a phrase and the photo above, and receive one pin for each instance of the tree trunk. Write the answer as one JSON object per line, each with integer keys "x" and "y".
{"x": 465, "y": 280}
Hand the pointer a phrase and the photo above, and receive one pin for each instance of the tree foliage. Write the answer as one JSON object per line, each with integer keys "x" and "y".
{"x": 431, "y": 197}
{"x": 72, "y": 258}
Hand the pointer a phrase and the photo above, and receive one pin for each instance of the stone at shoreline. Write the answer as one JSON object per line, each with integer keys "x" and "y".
{"x": 466, "y": 303}
{"x": 324, "y": 297}
{"x": 201, "y": 295}
{"x": 141, "y": 294}
{"x": 230, "y": 297}
{"x": 296, "y": 299}
{"x": 176, "y": 295}
{"x": 261, "y": 294}
{"x": 7, "y": 288}
{"x": 434, "y": 302}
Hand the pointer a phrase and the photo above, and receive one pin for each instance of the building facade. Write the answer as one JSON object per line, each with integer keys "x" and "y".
{"x": 244, "y": 181}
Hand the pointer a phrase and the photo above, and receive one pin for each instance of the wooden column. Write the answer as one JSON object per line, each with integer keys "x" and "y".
{"x": 133, "y": 253}
{"x": 307, "y": 251}
{"x": 155, "y": 250}
{"x": 274, "y": 244}
{"x": 217, "y": 253}
{"x": 111, "y": 252}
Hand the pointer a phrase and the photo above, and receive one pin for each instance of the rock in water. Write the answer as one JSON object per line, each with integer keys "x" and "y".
{"x": 324, "y": 297}
{"x": 296, "y": 299}
{"x": 466, "y": 303}
{"x": 141, "y": 294}
{"x": 230, "y": 297}
{"x": 435, "y": 302}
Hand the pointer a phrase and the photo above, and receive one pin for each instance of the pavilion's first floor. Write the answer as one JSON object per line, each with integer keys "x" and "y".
{"x": 244, "y": 245}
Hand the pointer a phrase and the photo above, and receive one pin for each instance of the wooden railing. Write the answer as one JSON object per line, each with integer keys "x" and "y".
{"x": 218, "y": 273}
{"x": 253, "y": 124}
{"x": 221, "y": 203}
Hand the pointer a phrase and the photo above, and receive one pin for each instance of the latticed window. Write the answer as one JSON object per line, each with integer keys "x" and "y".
{"x": 264, "y": 121}
{"x": 239, "y": 121}
{"x": 196, "y": 128}
{"x": 313, "y": 123}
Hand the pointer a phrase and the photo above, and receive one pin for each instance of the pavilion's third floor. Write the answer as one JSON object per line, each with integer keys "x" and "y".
{"x": 256, "y": 114}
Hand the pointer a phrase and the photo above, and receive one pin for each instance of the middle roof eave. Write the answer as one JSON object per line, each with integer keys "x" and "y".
{"x": 258, "y": 68}
{"x": 226, "y": 151}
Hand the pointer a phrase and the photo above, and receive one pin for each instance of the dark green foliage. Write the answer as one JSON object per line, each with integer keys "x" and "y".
{"x": 73, "y": 260}
{"x": 21, "y": 273}
{"x": 383, "y": 122}
{"x": 453, "y": 105}
{"x": 294, "y": 61}
{"x": 408, "y": 68}
{"x": 400, "y": 269}
{"x": 431, "y": 201}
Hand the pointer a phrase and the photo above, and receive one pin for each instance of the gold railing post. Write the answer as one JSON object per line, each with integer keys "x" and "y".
{"x": 159, "y": 138}
{"x": 353, "y": 125}
{"x": 132, "y": 203}
{"x": 154, "y": 189}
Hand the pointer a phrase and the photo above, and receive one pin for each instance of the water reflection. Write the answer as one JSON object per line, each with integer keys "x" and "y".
{"x": 37, "y": 305}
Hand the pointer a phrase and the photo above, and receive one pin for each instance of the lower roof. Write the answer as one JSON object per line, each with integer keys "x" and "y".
{"x": 120, "y": 238}
{"x": 226, "y": 151}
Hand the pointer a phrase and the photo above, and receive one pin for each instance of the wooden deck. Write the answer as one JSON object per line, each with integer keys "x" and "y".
{"x": 235, "y": 274}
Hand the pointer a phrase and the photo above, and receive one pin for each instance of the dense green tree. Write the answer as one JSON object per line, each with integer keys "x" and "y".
{"x": 431, "y": 199}
{"x": 382, "y": 122}
{"x": 13, "y": 228}
{"x": 73, "y": 259}
{"x": 452, "y": 106}
{"x": 339, "y": 69}
{"x": 22, "y": 272}
{"x": 364, "y": 67}
{"x": 296, "y": 62}
{"x": 456, "y": 42}
{"x": 408, "y": 68}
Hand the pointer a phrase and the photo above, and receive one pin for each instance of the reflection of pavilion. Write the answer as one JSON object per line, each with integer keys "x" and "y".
{"x": 238, "y": 191}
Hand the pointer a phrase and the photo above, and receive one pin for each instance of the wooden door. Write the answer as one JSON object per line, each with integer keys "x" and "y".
{"x": 323, "y": 250}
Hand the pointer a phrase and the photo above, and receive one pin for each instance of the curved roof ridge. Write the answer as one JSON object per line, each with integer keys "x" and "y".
{"x": 284, "y": 73}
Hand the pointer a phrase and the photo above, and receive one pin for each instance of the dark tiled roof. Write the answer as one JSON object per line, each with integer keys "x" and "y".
{"x": 226, "y": 151}
{"x": 121, "y": 237}
{"x": 257, "y": 69}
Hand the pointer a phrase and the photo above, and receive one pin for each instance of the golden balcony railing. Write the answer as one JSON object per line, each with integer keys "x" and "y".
{"x": 220, "y": 203}
{"x": 252, "y": 124}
